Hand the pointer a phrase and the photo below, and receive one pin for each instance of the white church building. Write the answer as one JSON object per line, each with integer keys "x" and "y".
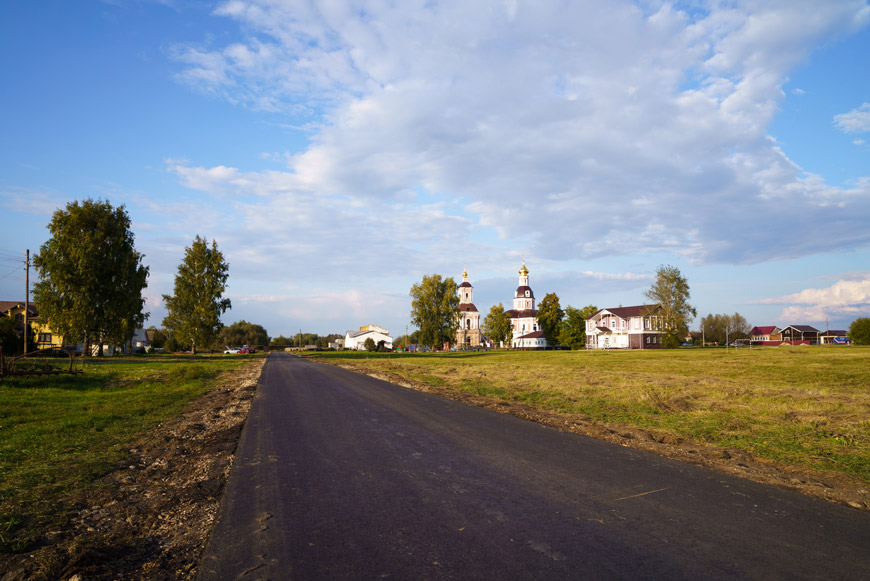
{"x": 468, "y": 333}
{"x": 355, "y": 340}
{"x": 527, "y": 333}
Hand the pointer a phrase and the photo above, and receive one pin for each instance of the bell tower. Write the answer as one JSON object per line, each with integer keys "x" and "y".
{"x": 468, "y": 333}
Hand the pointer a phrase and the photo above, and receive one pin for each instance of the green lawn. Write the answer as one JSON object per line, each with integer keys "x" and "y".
{"x": 59, "y": 432}
{"x": 806, "y": 406}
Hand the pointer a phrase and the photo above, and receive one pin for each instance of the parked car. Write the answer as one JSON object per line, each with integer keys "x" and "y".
{"x": 232, "y": 350}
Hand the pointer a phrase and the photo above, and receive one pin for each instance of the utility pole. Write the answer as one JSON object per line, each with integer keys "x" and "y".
{"x": 26, "y": 295}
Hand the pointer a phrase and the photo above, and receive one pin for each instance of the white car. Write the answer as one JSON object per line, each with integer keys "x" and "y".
{"x": 232, "y": 350}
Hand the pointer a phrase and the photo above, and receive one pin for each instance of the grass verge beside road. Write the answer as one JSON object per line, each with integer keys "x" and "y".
{"x": 807, "y": 407}
{"x": 59, "y": 432}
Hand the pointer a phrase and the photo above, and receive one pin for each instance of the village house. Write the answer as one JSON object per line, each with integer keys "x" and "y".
{"x": 800, "y": 335}
{"x": 764, "y": 334}
{"x": 638, "y": 327}
{"x": 40, "y": 333}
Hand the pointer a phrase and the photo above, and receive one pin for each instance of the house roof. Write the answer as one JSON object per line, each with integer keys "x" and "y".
{"x": 6, "y": 306}
{"x": 533, "y": 335}
{"x": 469, "y": 307}
{"x": 802, "y": 328}
{"x": 524, "y": 314}
{"x": 465, "y": 284}
{"x": 628, "y": 312}
{"x": 603, "y": 329}
{"x": 834, "y": 333}
{"x": 762, "y": 330}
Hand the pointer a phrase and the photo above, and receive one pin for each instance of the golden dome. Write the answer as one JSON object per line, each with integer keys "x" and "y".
{"x": 523, "y": 270}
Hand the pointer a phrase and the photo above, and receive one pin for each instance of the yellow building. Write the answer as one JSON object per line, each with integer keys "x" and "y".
{"x": 40, "y": 332}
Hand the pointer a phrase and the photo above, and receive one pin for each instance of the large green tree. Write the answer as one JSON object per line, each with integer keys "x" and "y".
{"x": 859, "y": 331}
{"x": 91, "y": 276}
{"x": 244, "y": 333}
{"x": 573, "y": 330}
{"x": 434, "y": 310}
{"x": 670, "y": 291}
{"x": 550, "y": 315}
{"x": 194, "y": 311}
{"x": 497, "y": 325}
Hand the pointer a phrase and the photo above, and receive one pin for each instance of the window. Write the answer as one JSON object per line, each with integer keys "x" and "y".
{"x": 45, "y": 337}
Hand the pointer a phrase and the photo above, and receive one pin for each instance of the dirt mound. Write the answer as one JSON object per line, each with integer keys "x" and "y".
{"x": 150, "y": 518}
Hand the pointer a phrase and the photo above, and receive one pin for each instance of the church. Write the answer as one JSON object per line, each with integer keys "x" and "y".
{"x": 468, "y": 333}
{"x": 527, "y": 332}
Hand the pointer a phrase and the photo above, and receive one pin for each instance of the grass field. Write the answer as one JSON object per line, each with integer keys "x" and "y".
{"x": 804, "y": 406}
{"x": 59, "y": 432}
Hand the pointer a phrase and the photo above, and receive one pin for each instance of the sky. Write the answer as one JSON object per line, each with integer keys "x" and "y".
{"x": 338, "y": 152}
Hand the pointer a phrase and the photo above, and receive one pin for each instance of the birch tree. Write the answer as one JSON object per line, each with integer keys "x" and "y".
{"x": 670, "y": 291}
{"x": 434, "y": 309}
{"x": 194, "y": 311}
{"x": 91, "y": 276}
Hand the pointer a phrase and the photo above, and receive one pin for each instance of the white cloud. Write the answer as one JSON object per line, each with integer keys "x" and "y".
{"x": 39, "y": 202}
{"x": 617, "y": 275}
{"x": 855, "y": 121}
{"x": 642, "y": 130}
{"x": 849, "y": 297}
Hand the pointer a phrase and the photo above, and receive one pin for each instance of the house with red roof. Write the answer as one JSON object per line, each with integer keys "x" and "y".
{"x": 761, "y": 335}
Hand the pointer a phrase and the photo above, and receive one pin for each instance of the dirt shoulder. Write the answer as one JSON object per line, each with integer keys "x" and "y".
{"x": 826, "y": 485}
{"x": 150, "y": 518}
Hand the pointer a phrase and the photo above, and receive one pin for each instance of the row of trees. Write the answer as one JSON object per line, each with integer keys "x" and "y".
{"x": 303, "y": 339}
{"x": 721, "y": 329}
{"x": 92, "y": 278}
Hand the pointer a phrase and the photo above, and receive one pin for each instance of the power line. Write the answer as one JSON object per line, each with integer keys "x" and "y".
{"x": 10, "y": 273}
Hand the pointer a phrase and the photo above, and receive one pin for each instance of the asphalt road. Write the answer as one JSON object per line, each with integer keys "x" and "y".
{"x": 341, "y": 476}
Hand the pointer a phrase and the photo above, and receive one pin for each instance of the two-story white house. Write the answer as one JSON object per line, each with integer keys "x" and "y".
{"x": 639, "y": 327}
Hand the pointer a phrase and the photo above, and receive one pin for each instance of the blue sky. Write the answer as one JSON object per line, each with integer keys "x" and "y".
{"x": 339, "y": 151}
